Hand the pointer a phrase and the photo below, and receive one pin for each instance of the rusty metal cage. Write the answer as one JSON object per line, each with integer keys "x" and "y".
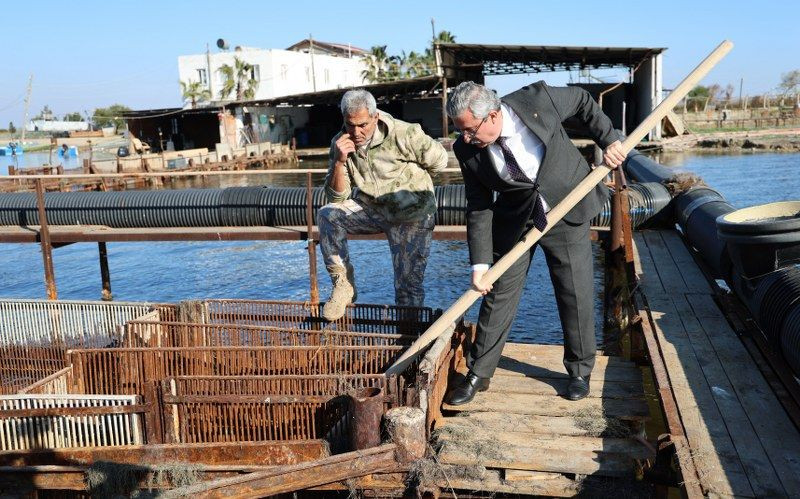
{"x": 359, "y": 317}
{"x": 126, "y": 370}
{"x": 35, "y": 334}
{"x": 185, "y": 334}
{"x": 246, "y": 408}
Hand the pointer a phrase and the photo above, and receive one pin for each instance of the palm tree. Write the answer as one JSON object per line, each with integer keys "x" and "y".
{"x": 377, "y": 61}
{"x": 238, "y": 77}
{"x": 430, "y": 57}
{"x": 415, "y": 65}
{"x": 194, "y": 91}
{"x": 445, "y": 37}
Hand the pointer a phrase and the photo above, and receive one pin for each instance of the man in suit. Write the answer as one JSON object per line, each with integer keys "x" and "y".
{"x": 517, "y": 148}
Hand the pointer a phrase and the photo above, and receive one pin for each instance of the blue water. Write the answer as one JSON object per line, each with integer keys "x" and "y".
{"x": 169, "y": 272}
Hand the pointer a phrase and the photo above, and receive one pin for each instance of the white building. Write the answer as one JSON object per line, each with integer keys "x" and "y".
{"x": 297, "y": 70}
{"x": 56, "y": 126}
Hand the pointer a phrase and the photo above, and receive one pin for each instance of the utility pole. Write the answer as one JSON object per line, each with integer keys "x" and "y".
{"x": 741, "y": 84}
{"x": 311, "y": 53}
{"x": 433, "y": 31}
{"x": 27, "y": 103}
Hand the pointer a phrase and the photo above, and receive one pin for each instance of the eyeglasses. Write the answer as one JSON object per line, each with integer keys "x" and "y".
{"x": 470, "y": 134}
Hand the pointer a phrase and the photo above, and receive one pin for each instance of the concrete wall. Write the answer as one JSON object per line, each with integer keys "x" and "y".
{"x": 279, "y": 72}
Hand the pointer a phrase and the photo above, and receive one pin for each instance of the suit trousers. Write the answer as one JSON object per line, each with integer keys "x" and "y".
{"x": 568, "y": 252}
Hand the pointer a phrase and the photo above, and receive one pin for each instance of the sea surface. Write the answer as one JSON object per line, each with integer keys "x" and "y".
{"x": 169, "y": 272}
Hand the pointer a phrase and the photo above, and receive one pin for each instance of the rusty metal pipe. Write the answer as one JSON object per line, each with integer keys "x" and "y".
{"x": 366, "y": 405}
{"x": 312, "y": 245}
{"x": 105, "y": 275}
{"x": 47, "y": 247}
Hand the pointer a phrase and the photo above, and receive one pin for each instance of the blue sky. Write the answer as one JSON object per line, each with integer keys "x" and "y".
{"x": 90, "y": 54}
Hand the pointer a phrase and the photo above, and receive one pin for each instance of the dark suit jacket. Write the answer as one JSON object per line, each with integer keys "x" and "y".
{"x": 542, "y": 109}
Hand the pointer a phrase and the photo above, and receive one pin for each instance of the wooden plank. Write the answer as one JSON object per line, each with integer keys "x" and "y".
{"x": 511, "y": 367}
{"x": 553, "y": 355}
{"x": 648, "y": 276}
{"x": 296, "y": 477}
{"x": 692, "y": 275}
{"x": 665, "y": 266}
{"x": 600, "y": 388}
{"x": 449, "y": 477}
{"x": 713, "y": 452}
{"x": 487, "y": 436}
{"x": 523, "y": 457}
{"x": 533, "y": 423}
{"x": 779, "y": 437}
{"x": 757, "y": 466}
{"x": 635, "y": 410}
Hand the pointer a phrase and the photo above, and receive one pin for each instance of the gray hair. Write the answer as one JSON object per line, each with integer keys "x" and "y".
{"x": 477, "y": 98}
{"x": 356, "y": 100}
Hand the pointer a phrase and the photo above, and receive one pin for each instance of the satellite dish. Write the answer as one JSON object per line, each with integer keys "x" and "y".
{"x": 222, "y": 44}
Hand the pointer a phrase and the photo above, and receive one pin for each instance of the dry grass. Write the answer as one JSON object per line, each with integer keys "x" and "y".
{"x": 682, "y": 182}
{"x": 463, "y": 440}
{"x": 597, "y": 424}
{"x": 112, "y": 480}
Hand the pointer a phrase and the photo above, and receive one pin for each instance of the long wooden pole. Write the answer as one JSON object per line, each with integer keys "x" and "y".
{"x": 557, "y": 213}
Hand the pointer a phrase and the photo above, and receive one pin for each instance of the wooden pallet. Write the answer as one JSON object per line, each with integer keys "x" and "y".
{"x": 523, "y": 437}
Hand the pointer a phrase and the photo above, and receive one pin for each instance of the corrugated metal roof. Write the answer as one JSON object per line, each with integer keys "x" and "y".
{"x": 519, "y": 59}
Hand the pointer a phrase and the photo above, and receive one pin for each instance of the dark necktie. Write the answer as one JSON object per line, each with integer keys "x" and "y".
{"x": 538, "y": 216}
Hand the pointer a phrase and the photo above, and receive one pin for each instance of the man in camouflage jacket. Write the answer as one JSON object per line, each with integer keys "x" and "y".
{"x": 378, "y": 181}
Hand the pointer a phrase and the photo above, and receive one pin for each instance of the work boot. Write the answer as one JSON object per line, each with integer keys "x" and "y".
{"x": 342, "y": 294}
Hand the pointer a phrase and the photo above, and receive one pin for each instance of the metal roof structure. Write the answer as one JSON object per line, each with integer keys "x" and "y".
{"x": 520, "y": 59}
{"x": 424, "y": 86}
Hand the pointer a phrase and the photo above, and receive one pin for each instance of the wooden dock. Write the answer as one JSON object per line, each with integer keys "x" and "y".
{"x": 522, "y": 437}
{"x": 740, "y": 439}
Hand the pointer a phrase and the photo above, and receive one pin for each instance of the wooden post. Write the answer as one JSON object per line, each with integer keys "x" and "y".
{"x": 406, "y": 427}
{"x": 104, "y": 273}
{"x": 47, "y": 247}
{"x": 445, "y": 132}
{"x": 312, "y": 245}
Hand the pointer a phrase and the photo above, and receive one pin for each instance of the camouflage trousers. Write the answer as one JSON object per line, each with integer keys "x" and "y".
{"x": 409, "y": 243}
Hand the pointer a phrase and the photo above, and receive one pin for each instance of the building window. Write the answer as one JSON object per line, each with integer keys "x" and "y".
{"x": 202, "y": 76}
{"x": 327, "y": 75}
{"x": 284, "y": 71}
{"x": 255, "y": 73}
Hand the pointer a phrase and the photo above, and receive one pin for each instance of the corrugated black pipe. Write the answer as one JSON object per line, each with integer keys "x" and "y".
{"x": 244, "y": 206}
{"x": 757, "y": 257}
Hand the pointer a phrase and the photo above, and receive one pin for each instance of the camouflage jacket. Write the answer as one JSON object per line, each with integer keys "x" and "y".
{"x": 394, "y": 175}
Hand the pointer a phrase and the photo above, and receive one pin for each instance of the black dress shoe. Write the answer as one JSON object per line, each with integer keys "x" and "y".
{"x": 466, "y": 388}
{"x": 578, "y": 387}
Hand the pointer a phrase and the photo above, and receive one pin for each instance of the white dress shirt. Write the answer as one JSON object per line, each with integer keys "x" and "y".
{"x": 527, "y": 149}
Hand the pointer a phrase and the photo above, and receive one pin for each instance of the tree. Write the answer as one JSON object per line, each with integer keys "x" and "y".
{"x": 11, "y": 127}
{"x": 45, "y": 114}
{"x": 238, "y": 78}
{"x": 110, "y": 116}
{"x": 76, "y": 116}
{"x": 384, "y": 67}
{"x": 790, "y": 82}
{"x": 195, "y": 91}
{"x": 698, "y": 96}
{"x": 377, "y": 61}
